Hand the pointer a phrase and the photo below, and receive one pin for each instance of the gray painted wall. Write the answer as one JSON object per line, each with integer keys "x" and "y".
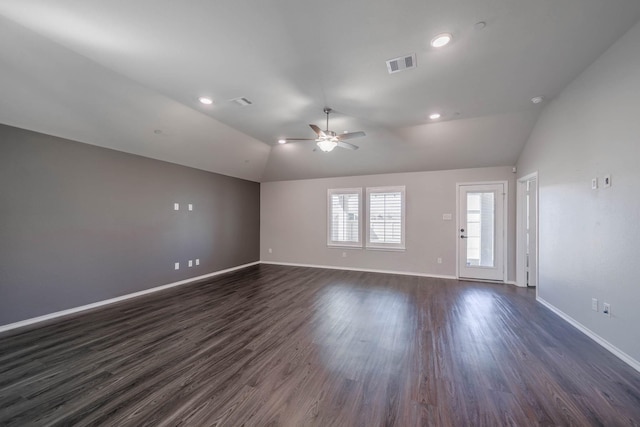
{"x": 81, "y": 224}
{"x": 294, "y": 218}
{"x": 590, "y": 239}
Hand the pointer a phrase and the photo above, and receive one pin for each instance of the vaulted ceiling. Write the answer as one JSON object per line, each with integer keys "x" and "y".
{"x": 128, "y": 74}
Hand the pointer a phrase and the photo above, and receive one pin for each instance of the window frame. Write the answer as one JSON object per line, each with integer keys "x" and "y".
{"x": 387, "y": 246}
{"x": 337, "y": 243}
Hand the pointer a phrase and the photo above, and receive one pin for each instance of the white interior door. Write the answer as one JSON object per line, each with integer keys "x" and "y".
{"x": 481, "y": 231}
{"x": 527, "y": 229}
{"x": 531, "y": 233}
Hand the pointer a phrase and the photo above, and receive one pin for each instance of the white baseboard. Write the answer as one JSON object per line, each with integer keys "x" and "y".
{"x": 50, "y": 316}
{"x": 597, "y": 338}
{"x": 368, "y": 270}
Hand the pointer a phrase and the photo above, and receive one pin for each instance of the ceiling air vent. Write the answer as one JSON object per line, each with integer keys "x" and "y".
{"x": 402, "y": 63}
{"x": 242, "y": 102}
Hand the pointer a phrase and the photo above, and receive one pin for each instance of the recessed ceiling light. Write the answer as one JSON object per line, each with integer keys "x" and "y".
{"x": 441, "y": 40}
{"x": 435, "y": 116}
{"x": 206, "y": 101}
{"x": 282, "y": 141}
{"x": 537, "y": 99}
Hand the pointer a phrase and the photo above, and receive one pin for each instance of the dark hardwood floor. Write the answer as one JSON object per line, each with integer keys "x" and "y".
{"x": 272, "y": 345}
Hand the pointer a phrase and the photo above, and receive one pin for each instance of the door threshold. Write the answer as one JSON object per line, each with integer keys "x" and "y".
{"x": 469, "y": 279}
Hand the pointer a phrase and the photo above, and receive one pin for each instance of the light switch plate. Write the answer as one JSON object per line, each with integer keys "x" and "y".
{"x": 606, "y": 181}
{"x": 446, "y": 217}
{"x": 190, "y": 207}
{"x": 594, "y": 183}
{"x": 176, "y": 206}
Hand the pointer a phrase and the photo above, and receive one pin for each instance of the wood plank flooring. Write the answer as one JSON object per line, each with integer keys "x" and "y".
{"x": 290, "y": 346}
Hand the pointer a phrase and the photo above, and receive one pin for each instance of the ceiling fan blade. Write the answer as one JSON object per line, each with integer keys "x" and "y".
{"x": 317, "y": 130}
{"x": 347, "y": 145}
{"x": 351, "y": 135}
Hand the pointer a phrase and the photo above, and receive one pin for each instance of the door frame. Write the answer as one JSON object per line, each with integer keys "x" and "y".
{"x": 521, "y": 268}
{"x": 505, "y": 225}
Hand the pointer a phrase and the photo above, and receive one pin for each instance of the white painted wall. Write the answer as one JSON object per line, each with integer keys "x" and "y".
{"x": 294, "y": 221}
{"x": 589, "y": 240}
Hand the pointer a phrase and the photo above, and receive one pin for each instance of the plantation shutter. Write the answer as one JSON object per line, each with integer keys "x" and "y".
{"x": 386, "y": 218}
{"x": 344, "y": 217}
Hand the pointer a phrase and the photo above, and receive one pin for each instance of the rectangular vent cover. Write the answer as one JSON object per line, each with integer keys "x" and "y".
{"x": 243, "y": 102}
{"x": 402, "y": 63}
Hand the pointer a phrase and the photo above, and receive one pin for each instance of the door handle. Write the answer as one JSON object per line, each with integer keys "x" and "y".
{"x": 463, "y": 237}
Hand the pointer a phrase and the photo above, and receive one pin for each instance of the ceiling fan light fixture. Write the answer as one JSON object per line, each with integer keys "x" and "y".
{"x": 205, "y": 100}
{"x": 282, "y": 141}
{"x": 441, "y": 40}
{"x": 435, "y": 116}
{"x": 327, "y": 145}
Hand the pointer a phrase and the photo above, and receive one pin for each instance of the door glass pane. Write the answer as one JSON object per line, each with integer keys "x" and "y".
{"x": 480, "y": 230}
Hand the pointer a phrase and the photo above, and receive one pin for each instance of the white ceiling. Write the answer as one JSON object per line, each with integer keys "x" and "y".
{"x": 110, "y": 73}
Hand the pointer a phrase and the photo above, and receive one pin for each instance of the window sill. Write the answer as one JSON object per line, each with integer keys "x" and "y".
{"x": 384, "y": 248}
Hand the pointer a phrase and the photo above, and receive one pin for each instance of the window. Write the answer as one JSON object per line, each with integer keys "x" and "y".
{"x": 385, "y": 219}
{"x": 344, "y": 213}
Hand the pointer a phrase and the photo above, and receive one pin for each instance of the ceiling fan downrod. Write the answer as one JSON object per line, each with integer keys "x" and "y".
{"x": 327, "y": 110}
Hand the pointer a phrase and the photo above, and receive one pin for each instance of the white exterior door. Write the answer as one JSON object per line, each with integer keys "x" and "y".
{"x": 481, "y": 231}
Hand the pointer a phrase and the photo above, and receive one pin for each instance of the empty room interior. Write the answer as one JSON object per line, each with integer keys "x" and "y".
{"x": 336, "y": 213}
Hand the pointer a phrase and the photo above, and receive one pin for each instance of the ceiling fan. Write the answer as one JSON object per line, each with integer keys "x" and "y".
{"x": 327, "y": 140}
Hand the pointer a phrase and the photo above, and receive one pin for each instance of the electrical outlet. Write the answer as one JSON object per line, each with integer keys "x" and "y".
{"x": 176, "y": 266}
{"x": 270, "y": 250}
{"x": 594, "y": 183}
{"x": 594, "y": 304}
{"x": 190, "y": 207}
{"x": 176, "y": 206}
{"x": 344, "y": 254}
{"x": 197, "y": 261}
{"x": 606, "y": 309}
{"x": 439, "y": 260}
{"x": 190, "y": 263}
